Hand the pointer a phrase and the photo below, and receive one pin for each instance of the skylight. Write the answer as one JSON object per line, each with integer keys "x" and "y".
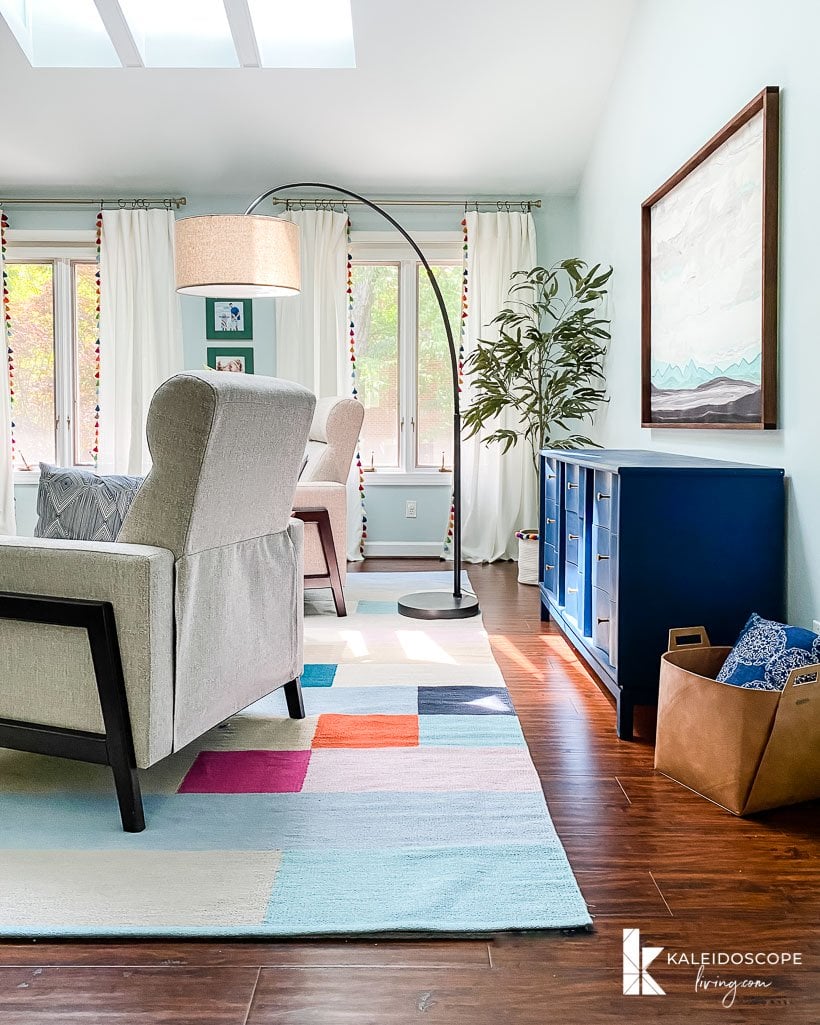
{"x": 56, "y": 34}
{"x": 307, "y": 34}
{"x": 183, "y": 33}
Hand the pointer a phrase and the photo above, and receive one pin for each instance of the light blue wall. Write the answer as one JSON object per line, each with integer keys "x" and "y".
{"x": 556, "y": 230}
{"x": 687, "y": 69}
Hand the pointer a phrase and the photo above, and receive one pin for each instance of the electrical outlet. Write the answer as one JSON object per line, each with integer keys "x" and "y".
{"x": 816, "y": 625}
{"x": 410, "y": 510}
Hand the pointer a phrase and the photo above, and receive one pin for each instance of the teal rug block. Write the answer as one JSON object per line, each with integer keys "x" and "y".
{"x": 376, "y": 608}
{"x": 470, "y": 731}
{"x": 318, "y": 675}
{"x": 405, "y": 823}
{"x": 466, "y": 889}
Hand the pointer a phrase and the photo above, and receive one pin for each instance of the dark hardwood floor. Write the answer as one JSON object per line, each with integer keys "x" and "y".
{"x": 647, "y": 853}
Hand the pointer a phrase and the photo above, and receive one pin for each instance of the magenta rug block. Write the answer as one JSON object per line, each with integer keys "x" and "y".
{"x": 247, "y": 772}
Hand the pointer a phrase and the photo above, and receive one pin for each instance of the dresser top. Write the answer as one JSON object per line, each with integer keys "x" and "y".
{"x": 617, "y": 460}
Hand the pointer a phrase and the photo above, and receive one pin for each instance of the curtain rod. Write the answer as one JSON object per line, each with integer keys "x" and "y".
{"x": 123, "y": 204}
{"x": 328, "y": 201}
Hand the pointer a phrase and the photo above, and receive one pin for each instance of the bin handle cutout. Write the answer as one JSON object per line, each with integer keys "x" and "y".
{"x": 803, "y": 675}
{"x": 688, "y": 637}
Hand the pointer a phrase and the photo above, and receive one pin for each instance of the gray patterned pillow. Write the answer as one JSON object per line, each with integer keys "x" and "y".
{"x": 78, "y": 505}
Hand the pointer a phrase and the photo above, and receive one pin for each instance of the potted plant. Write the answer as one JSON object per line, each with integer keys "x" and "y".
{"x": 546, "y": 368}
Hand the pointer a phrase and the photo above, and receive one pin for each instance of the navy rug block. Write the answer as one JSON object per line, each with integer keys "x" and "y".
{"x": 464, "y": 701}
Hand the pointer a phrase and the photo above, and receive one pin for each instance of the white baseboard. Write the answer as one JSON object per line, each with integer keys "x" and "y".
{"x": 402, "y": 549}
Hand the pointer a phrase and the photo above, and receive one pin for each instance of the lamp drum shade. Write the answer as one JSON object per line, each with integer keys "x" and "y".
{"x": 237, "y": 256}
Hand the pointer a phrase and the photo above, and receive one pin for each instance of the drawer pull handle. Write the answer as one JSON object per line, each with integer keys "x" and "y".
{"x": 550, "y": 521}
{"x": 602, "y": 620}
{"x": 573, "y": 537}
{"x": 601, "y": 558}
{"x": 601, "y": 496}
{"x": 550, "y": 476}
{"x": 572, "y": 590}
{"x": 570, "y": 486}
{"x": 548, "y": 567}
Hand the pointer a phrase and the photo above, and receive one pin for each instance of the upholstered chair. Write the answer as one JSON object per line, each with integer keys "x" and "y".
{"x": 333, "y": 437}
{"x": 122, "y": 653}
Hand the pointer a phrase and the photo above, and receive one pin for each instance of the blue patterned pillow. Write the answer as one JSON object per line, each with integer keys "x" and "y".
{"x": 766, "y": 652}
{"x": 78, "y": 505}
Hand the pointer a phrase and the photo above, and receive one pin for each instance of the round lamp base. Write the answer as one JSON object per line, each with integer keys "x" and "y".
{"x": 438, "y": 605}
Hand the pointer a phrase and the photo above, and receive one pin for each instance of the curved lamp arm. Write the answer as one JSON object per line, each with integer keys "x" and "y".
{"x": 412, "y": 242}
{"x": 450, "y": 343}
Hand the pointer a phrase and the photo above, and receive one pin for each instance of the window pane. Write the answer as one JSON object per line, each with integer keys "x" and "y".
{"x": 31, "y": 306}
{"x": 434, "y": 403}
{"x": 376, "y": 317}
{"x": 85, "y": 366}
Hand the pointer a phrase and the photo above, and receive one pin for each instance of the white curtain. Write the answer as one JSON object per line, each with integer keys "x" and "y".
{"x": 498, "y": 491}
{"x": 140, "y": 330}
{"x": 312, "y": 329}
{"x": 7, "y": 521}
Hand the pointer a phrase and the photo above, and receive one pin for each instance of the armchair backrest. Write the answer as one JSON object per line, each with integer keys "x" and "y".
{"x": 333, "y": 436}
{"x": 226, "y": 451}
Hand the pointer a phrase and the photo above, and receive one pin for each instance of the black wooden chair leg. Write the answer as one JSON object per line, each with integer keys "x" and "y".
{"x": 293, "y": 696}
{"x": 129, "y": 798}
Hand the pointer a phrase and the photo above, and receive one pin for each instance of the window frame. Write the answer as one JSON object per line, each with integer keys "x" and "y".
{"x": 63, "y": 249}
{"x": 388, "y": 247}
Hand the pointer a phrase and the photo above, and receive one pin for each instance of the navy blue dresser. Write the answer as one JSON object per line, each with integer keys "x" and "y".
{"x": 634, "y": 543}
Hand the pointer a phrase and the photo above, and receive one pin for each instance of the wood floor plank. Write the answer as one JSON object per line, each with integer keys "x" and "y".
{"x": 525, "y": 994}
{"x": 116, "y": 996}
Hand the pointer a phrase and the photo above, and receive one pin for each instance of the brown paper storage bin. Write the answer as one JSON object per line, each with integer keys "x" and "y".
{"x": 745, "y": 750}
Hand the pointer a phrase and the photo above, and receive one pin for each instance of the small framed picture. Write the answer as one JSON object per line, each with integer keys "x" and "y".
{"x": 230, "y": 360}
{"x": 229, "y": 318}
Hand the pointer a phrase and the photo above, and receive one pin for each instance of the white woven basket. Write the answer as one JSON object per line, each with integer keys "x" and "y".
{"x": 527, "y": 561}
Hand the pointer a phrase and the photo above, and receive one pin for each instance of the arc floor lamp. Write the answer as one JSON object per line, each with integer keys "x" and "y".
{"x": 250, "y": 256}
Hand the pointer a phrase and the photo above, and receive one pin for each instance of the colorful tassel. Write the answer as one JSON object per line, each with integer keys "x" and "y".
{"x": 353, "y": 388}
{"x": 4, "y": 223}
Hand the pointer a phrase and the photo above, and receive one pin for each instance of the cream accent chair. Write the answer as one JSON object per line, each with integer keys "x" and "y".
{"x": 334, "y": 433}
{"x": 122, "y": 653}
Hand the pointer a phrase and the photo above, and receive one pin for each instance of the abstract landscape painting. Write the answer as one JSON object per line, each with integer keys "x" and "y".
{"x": 707, "y": 301}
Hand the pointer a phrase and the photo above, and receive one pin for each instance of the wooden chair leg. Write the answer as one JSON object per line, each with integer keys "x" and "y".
{"x": 321, "y": 517}
{"x": 293, "y": 696}
{"x": 329, "y": 551}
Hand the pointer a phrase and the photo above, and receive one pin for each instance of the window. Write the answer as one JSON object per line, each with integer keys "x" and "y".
{"x": 402, "y": 359}
{"x": 52, "y": 304}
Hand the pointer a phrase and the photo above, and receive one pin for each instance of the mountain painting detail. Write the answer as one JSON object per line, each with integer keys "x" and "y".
{"x": 709, "y": 280}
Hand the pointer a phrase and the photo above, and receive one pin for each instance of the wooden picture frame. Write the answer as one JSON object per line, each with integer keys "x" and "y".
{"x": 229, "y": 319}
{"x": 696, "y": 395}
{"x": 230, "y": 359}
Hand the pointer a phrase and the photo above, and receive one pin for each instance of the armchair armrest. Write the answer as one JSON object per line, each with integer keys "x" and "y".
{"x": 46, "y": 674}
{"x": 331, "y": 496}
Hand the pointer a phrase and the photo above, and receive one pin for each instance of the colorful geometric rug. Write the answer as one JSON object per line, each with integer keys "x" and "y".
{"x": 405, "y": 803}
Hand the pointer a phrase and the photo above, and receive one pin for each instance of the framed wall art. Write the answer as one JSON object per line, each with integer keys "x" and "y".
{"x": 709, "y": 281}
{"x": 230, "y": 359}
{"x": 229, "y": 319}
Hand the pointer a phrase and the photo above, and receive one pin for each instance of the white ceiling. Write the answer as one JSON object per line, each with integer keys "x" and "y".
{"x": 462, "y": 97}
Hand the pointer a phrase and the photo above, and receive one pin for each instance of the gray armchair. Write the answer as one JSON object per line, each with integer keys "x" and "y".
{"x": 122, "y": 653}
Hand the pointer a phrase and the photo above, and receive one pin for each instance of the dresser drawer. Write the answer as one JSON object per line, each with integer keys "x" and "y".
{"x": 551, "y": 569}
{"x": 572, "y": 537}
{"x": 605, "y": 499}
{"x": 549, "y": 485}
{"x": 573, "y": 483}
{"x": 551, "y": 524}
{"x": 604, "y": 621}
{"x": 605, "y": 560}
{"x": 573, "y": 593}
